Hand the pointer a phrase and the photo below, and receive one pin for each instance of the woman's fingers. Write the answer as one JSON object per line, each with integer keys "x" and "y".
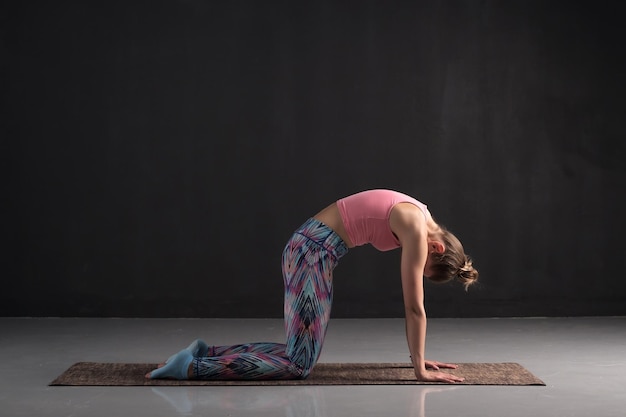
{"x": 451, "y": 379}
{"x": 436, "y": 365}
{"x": 431, "y": 376}
{"x": 447, "y": 365}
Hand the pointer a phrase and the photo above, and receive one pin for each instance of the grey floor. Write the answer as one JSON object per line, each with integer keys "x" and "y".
{"x": 582, "y": 361}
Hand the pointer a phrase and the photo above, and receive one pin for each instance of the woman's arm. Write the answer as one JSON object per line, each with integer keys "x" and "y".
{"x": 410, "y": 227}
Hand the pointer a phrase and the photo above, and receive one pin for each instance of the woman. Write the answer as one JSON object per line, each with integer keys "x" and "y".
{"x": 383, "y": 218}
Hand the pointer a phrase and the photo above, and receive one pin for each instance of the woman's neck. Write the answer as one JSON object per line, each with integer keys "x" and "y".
{"x": 434, "y": 230}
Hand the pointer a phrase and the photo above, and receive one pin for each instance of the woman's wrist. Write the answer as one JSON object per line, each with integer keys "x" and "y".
{"x": 420, "y": 374}
{"x": 419, "y": 368}
{"x": 418, "y": 364}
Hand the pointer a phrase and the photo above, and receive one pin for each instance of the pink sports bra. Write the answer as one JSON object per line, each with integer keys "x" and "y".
{"x": 365, "y": 217}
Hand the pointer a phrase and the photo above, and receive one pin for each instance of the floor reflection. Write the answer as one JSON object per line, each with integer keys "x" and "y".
{"x": 293, "y": 401}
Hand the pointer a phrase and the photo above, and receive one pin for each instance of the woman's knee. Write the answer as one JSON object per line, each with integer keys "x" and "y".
{"x": 300, "y": 372}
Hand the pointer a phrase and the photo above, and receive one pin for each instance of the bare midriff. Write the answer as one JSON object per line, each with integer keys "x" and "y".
{"x": 330, "y": 217}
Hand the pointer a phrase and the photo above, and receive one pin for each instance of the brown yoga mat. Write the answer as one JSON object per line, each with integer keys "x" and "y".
{"x": 132, "y": 374}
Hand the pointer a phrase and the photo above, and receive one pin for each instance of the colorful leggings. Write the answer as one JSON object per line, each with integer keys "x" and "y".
{"x": 308, "y": 262}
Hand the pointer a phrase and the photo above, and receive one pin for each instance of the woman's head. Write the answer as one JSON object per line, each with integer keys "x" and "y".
{"x": 451, "y": 262}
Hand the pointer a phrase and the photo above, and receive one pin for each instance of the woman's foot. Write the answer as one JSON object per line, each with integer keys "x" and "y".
{"x": 178, "y": 367}
{"x": 198, "y": 349}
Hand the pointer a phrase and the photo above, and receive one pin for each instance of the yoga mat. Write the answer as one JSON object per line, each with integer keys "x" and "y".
{"x": 132, "y": 374}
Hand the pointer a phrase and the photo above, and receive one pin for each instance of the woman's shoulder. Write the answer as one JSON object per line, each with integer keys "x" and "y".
{"x": 407, "y": 219}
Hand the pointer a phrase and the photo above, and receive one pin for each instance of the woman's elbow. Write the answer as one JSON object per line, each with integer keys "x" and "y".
{"x": 415, "y": 310}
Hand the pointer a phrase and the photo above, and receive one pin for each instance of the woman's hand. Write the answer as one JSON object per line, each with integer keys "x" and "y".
{"x": 436, "y": 365}
{"x": 432, "y": 376}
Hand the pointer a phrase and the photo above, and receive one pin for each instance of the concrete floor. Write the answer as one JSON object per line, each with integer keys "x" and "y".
{"x": 582, "y": 361}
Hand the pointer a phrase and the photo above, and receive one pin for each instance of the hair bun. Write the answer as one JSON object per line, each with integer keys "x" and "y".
{"x": 467, "y": 274}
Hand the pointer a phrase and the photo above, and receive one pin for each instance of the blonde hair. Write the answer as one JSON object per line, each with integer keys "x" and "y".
{"x": 453, "y": 263}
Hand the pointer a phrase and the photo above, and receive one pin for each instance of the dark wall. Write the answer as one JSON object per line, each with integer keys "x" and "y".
{"x": 158, "y": 154}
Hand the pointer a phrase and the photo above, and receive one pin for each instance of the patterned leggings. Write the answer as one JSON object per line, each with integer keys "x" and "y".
{"x": 308, "y": 262}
